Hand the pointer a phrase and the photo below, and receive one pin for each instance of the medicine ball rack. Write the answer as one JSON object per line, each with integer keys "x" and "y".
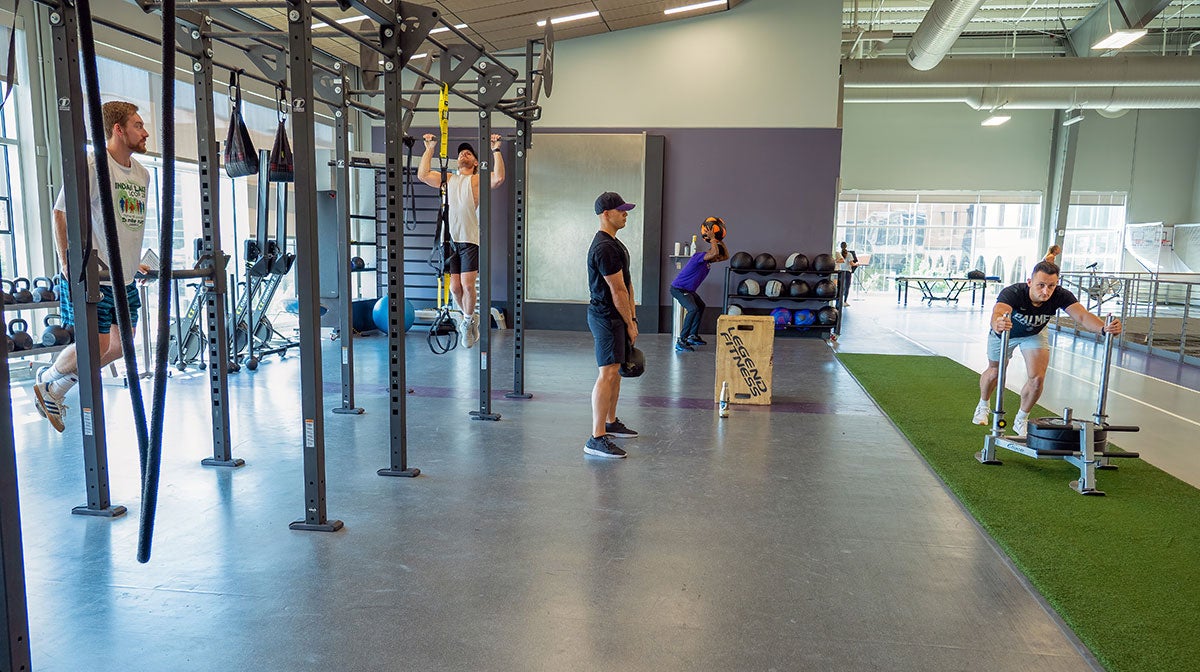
{"x": 733, "y": 277}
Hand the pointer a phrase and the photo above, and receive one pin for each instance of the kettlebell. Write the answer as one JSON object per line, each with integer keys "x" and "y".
{"x": 55, "y": 333}
{"x": 21, "y": 338}
{"x": 43, "y": 290}
{"x": 21, "y": 291}
{"x": 6, "y": 292}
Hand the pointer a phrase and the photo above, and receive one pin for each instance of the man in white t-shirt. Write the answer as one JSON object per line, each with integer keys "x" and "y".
{"x": 126, "y": 135}
{"x": 463, "y": 192}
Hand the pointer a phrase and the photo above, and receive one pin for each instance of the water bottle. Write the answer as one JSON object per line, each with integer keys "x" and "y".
{"x": 693, "y": 248}
{"x": 723, "y": 404}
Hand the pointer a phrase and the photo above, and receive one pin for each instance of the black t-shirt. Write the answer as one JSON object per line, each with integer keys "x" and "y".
{"x": 1027, "y": 318}
{"x": 606, "y": 256}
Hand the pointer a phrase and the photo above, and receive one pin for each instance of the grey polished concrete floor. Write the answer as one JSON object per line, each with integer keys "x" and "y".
{"x": 806, "y": 536}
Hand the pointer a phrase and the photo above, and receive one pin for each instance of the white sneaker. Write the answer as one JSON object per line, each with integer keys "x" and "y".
{"x": 981, "y": 414}
{"x": 51, "y": 407}
{"x": 1020, "y": 425}
{"x": 472, "y": 330}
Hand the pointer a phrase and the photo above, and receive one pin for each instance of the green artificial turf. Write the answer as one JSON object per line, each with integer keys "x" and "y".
{"x": 1122, "y": 570}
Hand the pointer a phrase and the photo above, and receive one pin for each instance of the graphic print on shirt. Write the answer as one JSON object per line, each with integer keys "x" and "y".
{"x": 131, "y": 205}
{"x": 1032, "y": 323}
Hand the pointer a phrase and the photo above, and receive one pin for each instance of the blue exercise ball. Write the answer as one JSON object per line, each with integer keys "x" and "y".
{"x": 379, "y": 314}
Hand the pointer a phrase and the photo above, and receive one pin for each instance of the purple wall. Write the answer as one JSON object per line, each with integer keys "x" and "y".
{"x": 775, "y": 188}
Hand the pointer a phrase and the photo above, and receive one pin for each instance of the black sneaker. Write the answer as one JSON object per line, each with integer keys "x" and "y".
{"x": 618, "y": 429}
{"x": 696, "y": 340}
{"x": 602, "y": 447}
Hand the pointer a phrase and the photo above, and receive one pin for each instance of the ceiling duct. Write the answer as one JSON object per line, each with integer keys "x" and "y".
{"x": 1120, "y": 71}
{"x": 940, "y": 28}
{"x": 1106, "y": 99}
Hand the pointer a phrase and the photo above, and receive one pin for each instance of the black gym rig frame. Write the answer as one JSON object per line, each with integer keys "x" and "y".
{"x": 195, "y": 38}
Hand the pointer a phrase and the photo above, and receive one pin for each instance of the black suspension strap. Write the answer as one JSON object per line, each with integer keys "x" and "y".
{"x": 11, "y": 73}
{"x": 410, "y": 187}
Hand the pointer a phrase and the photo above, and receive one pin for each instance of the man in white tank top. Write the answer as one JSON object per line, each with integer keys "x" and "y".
{"x": 463, "y": 194}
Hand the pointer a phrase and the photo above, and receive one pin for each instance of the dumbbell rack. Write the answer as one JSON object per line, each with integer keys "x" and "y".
{"x": 734, "y": 275}
{"x": 37, "y": 349}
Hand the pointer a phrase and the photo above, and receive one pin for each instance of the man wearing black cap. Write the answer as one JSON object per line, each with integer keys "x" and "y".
{"x": 463, "y": 197}
{"x": 613, "y": 323}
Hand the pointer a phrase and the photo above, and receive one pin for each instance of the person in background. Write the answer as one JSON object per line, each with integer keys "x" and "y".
{"x": 1052, "y": 254}
{"x": 846, "y": 260}
{"x": 684, "y": 286}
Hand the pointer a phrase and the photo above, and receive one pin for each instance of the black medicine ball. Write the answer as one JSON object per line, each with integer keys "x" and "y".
{"x": 975, "y": 275}
{"x": 798, "y": 288}
{"x": 764, "y": 262}
{"x": 749, "y": 287}
{"x": 823, "y": 263}
{"x": 826, "y": 289}
{"x": 797, "y": 263}
{"x": 827, "y": 315}
{"x": 741, "y": 261}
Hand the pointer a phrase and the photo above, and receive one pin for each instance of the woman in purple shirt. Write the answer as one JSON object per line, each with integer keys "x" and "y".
{"x": 683, "y": 288}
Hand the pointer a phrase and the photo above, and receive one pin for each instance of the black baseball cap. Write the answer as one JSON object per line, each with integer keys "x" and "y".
{"x": 611, "y": 200}
{"x": 467, "y": 146}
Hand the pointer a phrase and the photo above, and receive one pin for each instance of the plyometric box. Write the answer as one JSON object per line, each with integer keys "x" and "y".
{"x": 745, "y": 349}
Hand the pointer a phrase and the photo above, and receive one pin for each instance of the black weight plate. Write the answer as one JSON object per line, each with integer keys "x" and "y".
{"x": 1054, "y": 429}
{"x": 1040, "y": 443}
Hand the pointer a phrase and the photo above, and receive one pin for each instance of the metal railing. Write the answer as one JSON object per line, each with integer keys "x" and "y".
{"x": 1160, "y": 312}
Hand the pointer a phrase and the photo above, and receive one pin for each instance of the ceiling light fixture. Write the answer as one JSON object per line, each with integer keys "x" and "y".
{"x": 995, "y": 120}
{"x": 573, "y": 17}
{"x": 444, "y": 28}
{"x": 1120, "y": 39}
{"x": 698, "y": 5}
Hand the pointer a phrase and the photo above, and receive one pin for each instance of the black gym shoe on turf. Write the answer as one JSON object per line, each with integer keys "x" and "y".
{"x": 696, "y": 340}
{"x": 602, "y": 447}
{"x": 618, "y": 429}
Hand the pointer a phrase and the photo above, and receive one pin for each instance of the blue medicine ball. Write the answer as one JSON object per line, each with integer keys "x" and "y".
{"x": 803, "y": 317}
{"x": 379, "y": 314}
{"x": 782, "y": 317}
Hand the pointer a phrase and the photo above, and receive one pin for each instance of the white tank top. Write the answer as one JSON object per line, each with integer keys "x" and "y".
{"x": 464, "y": 216}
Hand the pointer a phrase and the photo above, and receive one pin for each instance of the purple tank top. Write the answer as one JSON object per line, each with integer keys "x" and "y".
{"x": 693, "y": 273}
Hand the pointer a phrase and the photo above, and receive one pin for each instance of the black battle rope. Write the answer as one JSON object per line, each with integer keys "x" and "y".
{"x": 87, "y": 43}
{"x": 166, "y": 236}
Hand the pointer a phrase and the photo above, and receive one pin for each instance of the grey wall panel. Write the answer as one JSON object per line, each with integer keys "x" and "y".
{"x": 566, "y": 174}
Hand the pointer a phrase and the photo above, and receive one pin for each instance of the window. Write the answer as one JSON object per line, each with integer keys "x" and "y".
{"x": 939, "y": 233}
{"x": 1095, "y": 231}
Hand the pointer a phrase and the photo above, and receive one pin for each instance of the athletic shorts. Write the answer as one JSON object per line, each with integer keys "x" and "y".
{"x": 1038, "y": 341}
{"x": 106, "y": 310}
{"x": 610, "y": 337}
{"x": 465, "y": 259}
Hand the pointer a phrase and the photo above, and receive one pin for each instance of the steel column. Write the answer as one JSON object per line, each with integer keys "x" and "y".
{"x": 300, "y": 75}
{"x": 82, "y": 274}
{"x": 209, "y": 165}
{"x": 342, "y": 186}
{"x": 15, "y": 612}
{"x": 483, "y": 307}
{"x": 393, "y": 202}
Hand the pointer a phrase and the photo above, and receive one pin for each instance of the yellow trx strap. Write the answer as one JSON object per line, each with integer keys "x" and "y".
{"x": 444, "y": 128}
